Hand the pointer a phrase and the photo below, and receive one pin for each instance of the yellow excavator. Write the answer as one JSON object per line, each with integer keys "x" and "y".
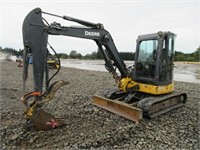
{"x": 52, "y": 62}
{"x": 145, "y": 88}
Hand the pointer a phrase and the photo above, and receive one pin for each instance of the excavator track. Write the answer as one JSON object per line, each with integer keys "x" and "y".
{"x": 150, "y": 106}
{"x": 156, "y": 105}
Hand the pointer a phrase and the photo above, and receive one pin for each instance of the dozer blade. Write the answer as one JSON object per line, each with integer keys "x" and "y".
{"x": 119, "y": 108}
{"x": 154, "y": 106}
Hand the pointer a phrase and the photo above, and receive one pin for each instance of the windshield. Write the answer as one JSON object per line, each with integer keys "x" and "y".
{"x": 147, "y": 50}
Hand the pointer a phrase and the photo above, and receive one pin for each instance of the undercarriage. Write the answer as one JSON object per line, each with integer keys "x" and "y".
{"x": 136, "y": 104}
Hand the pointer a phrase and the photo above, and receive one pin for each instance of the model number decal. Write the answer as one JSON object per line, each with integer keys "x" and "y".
{"x": 87, "y": 33}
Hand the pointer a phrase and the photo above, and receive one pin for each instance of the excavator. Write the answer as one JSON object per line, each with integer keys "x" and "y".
{"x": 144, "y": 89}
{"x": 52, "y": 62}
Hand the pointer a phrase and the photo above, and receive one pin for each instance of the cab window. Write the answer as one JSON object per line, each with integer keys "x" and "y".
{"x": 147, "y": 50}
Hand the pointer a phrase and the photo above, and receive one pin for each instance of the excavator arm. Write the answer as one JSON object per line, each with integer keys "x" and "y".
{"x": 35, "y": 37}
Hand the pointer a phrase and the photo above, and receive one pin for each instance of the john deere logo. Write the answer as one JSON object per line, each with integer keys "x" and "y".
{"x": 87, "y": 33}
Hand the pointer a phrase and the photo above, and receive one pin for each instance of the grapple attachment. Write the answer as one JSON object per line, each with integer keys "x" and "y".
{"x": 34, "y": 112}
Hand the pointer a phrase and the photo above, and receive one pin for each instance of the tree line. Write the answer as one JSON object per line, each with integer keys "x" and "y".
{"x": 195, "y": 56}
{"x": 11, "y": 51}
{"x": 179, "y": 56}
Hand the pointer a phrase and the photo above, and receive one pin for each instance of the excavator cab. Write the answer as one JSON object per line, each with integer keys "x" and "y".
{"x": 154, "y": 59}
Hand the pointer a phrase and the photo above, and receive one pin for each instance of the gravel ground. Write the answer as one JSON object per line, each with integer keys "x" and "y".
{"x": 89, "y": 127}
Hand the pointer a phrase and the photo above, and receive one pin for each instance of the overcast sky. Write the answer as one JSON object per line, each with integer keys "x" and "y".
{"x": 125, "y": 20}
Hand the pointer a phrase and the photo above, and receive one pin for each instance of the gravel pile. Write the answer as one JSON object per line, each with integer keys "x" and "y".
{"x": 89, "y": 127}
